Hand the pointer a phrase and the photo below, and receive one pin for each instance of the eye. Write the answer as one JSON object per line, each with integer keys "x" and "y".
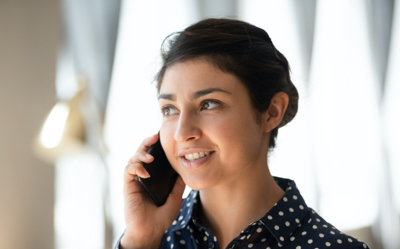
{"x": 168, "y": 111}
{"x": 209, "y": 105}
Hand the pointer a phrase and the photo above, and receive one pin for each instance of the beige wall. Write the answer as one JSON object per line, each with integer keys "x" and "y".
{"x": 29, "y": 34}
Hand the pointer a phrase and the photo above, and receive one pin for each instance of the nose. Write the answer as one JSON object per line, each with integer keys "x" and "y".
{"x": 188, "y": 128}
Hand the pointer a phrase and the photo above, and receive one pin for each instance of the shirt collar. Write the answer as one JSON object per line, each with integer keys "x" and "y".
{"x": 286, "y": 215}
{"x": 281, "y": 220}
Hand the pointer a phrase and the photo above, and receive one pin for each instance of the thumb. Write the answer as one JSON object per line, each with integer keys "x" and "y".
{"x": 174, "y": 200}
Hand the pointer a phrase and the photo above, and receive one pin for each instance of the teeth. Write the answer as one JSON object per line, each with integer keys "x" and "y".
{"x": 194, "y": 156}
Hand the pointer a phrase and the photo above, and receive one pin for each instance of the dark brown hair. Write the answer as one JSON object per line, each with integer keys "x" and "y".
{"x": 241, "y": 49}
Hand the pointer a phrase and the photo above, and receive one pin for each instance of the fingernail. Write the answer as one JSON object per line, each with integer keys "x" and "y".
{"x": 146, "y": 174}
{"x": 149, "y": 156}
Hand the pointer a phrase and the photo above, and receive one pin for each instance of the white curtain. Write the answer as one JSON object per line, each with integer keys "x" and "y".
{"x": 87, "y": 50}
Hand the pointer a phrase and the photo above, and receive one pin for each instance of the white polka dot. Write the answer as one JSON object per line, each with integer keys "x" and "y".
{"x": 215, "y": 238}
{"x": 289, "y": 188}
{"x": 205, "y": 238}
{"x": 314, "y": 227}
{"x": 269, "y": 217}
{"x": 287, "y": 223}
{"x": 206, "y": 233}
{"x": 364, "y": 245}
{"x": 279, "y": 244}
{"x": 243, "y": 237}
{"x": 332, "y": 232}
{"x": 253, "y": 224}
{"x": 188, "y": 204}
{"x": 285, "y": 199}
{"x": 325, "y": 226}
{"x": 339, "y": 241}
{"x": 172, "y": 245}
{"x": 276, "y": 227}
{"x": 188, "y": 227}
{"x": 318, "y": 220}
{"x": 291, "y": 210}
{"x": 268, "y": 247}
{"x": 297, "y": 220}
{"x": 328, "y": 244}
{"x": 281, "y": 213}
{"x": 182, "y": 242}
{"x": 310, "y": 241}
{"x": 350, "y": 240}
{"x": 197, "y": 241}
{"x": 183, "y": 222}
{"x": 282, "y": 238}
{"x": 174, "y": 223}
{"x": 304, "y": 233}
{"x": 295, "y": 197}
{"x": 168, "y": 238}
{"x": 321, "y": 235}
{"x": 259, "y": 230}
{"x": 263, "y": 239}
{"x": 333, "y": 227}
{"x": 275, "y": 204}
{"x": 250, "y": 245}
{"x": 298, "y": 247}
{"x": 178, "y": 233}
{"x": 248, "y": 236}
{"x": 292, "y": 238}
{"x": 309, "y": 220}
{"x": 191, "y": 230}
{"x": 301, "y": 207}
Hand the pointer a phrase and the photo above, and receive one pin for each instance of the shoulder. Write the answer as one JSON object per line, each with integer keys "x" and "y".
{"x": 296, "y": 225}
{"x": 315, "y": 231}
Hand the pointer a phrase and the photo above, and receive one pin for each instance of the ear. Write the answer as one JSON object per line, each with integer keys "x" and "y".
{"x": 276, "y": 110}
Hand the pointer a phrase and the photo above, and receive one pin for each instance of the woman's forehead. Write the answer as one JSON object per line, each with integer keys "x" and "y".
{"x": 196, "y": 75}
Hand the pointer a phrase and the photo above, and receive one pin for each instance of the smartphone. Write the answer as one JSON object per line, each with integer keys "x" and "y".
{"x": 162, "y": 175}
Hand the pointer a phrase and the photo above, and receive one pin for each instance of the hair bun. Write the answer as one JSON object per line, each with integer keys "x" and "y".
{"x": 293, "y": 105}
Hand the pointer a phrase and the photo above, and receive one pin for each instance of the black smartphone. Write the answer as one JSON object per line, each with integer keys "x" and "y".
{"x": 162, "y": 175}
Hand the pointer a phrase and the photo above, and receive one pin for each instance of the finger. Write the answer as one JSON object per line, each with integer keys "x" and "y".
{"x": 175, "y": 198}
{"x": 133, "y": 170}
{"x": 144, "y": 147}
{"x": 148, "y": 142}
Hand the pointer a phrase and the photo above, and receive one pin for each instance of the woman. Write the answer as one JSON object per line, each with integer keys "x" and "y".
{"x": 223, "y": 90}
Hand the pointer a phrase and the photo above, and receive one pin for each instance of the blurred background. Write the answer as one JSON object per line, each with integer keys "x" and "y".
{"x": 76, "y": 100}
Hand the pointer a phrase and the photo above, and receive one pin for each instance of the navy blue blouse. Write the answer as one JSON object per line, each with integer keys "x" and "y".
{"x": 289, "y": 224}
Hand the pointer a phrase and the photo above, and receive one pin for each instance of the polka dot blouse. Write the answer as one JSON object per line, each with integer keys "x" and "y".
{"x": 289, "y": 224}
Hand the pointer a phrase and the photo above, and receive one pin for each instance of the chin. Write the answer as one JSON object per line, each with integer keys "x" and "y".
{"x": 198, "y": 183}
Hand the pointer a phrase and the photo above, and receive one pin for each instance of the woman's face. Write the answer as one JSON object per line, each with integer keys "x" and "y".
{"x": 208, "y": 132}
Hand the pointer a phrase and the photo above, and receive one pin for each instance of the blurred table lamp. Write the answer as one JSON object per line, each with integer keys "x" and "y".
{"x": 63, "y": 132}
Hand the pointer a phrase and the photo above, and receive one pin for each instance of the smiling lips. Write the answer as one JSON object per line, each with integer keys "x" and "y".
{"x": 195, "y": 156}
{"x": 196, "y": 159}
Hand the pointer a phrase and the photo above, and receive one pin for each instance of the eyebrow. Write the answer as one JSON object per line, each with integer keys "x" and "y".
{"x": 195, "y": 95}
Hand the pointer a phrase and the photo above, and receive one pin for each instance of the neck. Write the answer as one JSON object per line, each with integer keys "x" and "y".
{"x": 230, "y": 207}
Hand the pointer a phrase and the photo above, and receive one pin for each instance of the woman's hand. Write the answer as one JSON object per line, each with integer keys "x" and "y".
{"x": 145, "y": 222}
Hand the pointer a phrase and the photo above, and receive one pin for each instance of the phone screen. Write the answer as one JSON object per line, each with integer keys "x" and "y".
{"x": 162, "y": 175}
